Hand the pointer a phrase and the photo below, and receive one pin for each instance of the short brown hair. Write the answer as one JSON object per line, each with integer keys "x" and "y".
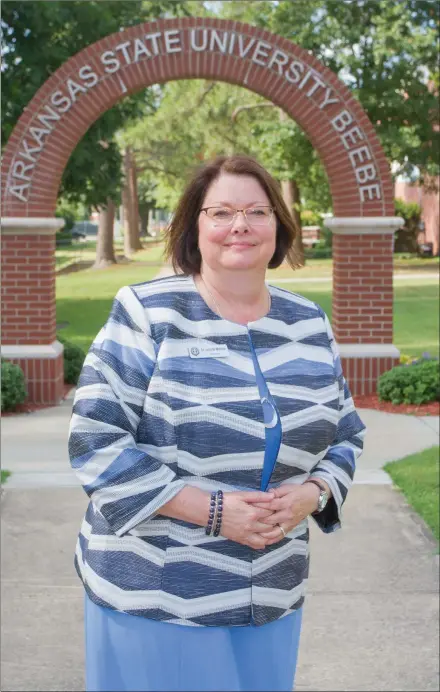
{"x": 181, "y": 239}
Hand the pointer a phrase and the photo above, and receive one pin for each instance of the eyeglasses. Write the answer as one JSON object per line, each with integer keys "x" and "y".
{"x": 225, "y": 216}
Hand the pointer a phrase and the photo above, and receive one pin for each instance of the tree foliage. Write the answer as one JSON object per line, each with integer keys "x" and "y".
{"x": 193, "y": 123}
{"x": 37, "y": 38}
{"x": 386, "y": 51}
{"x": 197, "y": 120}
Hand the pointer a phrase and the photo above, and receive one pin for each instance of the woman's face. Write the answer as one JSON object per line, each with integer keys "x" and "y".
{"x": 242, "y": 244}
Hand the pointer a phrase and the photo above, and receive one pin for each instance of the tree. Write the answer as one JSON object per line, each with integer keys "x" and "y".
{"x": 130, "y": 203}
{"x": 105, "y": 254}
{"x": 37, "y": 38}
{"x": 386, "y": 52}
{"x": 406, "y": 237}
{"x": 192, "y": 123}
{"x": 285, "y": 172}
{"x": 197, "y": 120}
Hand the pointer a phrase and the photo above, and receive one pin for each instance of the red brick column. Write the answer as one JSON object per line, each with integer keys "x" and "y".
{"x": 28, "y": 297}
{"x": 362, "y": 312}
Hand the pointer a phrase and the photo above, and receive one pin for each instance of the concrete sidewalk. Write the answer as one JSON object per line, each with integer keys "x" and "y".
{"x": 325, "y": 279}
{"x": 371, "y": 617}
{"x": 34, "y": 446}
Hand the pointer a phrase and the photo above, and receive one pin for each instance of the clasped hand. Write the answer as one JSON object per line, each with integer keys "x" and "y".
{"x": 253, "y": 518}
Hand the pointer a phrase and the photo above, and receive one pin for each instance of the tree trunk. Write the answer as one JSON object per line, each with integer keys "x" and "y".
{"x": 105, "y": 254}
{"x": 296, "y": 213}
{"x": 135, "y": 205}
{"x": 132, "y": 241}
{"x": 292, "y": 198}
{"x": 144, "y": 213}
{"x": 125, "y": 198}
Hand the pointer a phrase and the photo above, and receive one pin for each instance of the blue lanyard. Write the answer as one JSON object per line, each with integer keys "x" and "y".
{"x": 272, "y": 422}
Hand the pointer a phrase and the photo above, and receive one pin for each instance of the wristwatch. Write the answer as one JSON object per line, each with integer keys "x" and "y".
{"x": 323, "y": 495}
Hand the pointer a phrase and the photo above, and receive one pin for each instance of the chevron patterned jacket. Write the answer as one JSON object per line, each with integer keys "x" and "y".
{"x": 159, "y": 407}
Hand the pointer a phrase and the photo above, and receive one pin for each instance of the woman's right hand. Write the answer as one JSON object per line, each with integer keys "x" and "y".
{"x": 242, "y": 521}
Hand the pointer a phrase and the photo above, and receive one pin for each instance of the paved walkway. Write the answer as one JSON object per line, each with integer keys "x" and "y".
{"x": 371, "y": 619}
{"x": 397, "y": 276}
{"x": 34, "y": 445}
{"x": 325, "y": 279}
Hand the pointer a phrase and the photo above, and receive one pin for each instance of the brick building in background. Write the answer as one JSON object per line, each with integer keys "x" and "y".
{"x": 429, "y": 203}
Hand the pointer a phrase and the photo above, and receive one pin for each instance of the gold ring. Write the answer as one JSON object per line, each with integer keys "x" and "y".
{"x": 282, "y": 531}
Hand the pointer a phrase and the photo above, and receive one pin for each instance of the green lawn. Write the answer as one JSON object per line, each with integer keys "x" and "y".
{"x": 416, "y": 316}
{"x": 414, "y": 263}
{"x": 153, "y": 252}
{"x": 84, "y": 299}
{"x": 324, "y": 267}
{"x": 417, "y": 476}
{"x": 86, "y": 252}
{"x": 312, "y": 269}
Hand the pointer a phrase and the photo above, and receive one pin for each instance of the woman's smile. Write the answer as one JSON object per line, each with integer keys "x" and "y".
{"x": 241, "y": 245}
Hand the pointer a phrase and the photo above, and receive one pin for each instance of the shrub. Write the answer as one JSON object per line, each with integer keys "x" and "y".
{"x": 4, "y": 475}
{"x": 320, "y": 251}
{"x": 414, "y": 383}
{"x": 13, "y": 386}
{"x": 70, "y": 212}
{"x": 73, "y": 360}
{"x": 406, "y": 237}
{"x": 63, "y": 239}
{"x": 326, "y": 237}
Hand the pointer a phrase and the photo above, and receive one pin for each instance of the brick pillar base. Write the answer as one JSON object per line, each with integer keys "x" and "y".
{"x": 363, "y": 365}
{"x": 362, "y": 312}
{"x": 28, "y": 305}
{"x": 43, "y": 368}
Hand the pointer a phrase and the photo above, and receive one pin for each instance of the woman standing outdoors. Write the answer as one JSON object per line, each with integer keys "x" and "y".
{"x": 210, "y": 421}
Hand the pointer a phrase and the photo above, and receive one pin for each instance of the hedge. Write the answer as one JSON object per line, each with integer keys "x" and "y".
{"x": 412, "y": 383}
{"x": 73, "y": 360}
{"x": 13, "y": 386}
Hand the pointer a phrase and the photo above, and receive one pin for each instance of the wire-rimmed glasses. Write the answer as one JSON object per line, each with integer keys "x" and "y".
{"x": 224, "y": 216}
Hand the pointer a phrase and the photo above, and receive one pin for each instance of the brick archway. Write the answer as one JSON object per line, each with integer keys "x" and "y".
{"x": 97, "y": 77}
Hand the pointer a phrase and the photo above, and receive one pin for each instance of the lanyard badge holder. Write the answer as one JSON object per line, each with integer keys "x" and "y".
{"x": 272, "y": 423}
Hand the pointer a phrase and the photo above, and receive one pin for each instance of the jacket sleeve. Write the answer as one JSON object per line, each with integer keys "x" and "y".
{"x": 338, "y": 465}
{"x": 125, "y": 484}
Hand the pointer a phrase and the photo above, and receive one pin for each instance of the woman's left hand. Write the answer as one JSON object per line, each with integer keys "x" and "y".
{"x": 292, "y": 504}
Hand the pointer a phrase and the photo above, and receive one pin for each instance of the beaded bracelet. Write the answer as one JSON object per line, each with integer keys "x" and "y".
{"x": 215, "y": 514}
{"x": 218, "y": 524}
{"x": 212, "y": 513}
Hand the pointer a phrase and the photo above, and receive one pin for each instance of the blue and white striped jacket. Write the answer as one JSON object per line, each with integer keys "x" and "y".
{"x": 149, "y": 418}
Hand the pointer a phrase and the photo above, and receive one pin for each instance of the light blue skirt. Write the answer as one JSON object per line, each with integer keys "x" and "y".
{"x": 131, "y": 653}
